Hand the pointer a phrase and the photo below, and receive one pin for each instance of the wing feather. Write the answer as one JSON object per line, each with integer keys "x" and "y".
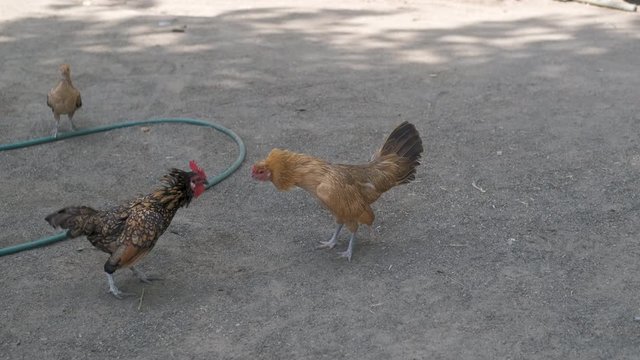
{"x": 343, "y": 198}
{"x": 142, "y": 229}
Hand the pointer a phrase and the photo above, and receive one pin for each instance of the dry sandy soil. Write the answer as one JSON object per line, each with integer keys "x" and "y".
{"x": 535, "y": 102}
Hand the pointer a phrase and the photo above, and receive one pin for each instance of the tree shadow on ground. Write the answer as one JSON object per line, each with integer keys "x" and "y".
{"x": 539, "y": 114}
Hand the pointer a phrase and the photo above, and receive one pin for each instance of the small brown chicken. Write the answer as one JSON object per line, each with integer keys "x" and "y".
{"x": 346, "y": 190}
{"x": 64, "y": 98}
{"x": 129, "y": 231}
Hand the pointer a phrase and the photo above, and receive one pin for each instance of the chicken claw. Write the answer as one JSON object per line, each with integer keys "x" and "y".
{"x": 327, "y": 244}
{"x": 346, "y": 254}
{"x": 352, "y": 242}
{"x": 142, "y": 276}
{"x": 332, "y": 242}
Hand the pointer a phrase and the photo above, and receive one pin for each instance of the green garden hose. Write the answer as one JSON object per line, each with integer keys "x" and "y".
{"x": 62, "y": 136}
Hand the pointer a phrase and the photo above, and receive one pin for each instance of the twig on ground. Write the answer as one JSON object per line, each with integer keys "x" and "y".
{"x": 141, "y": 297}
{"x": 473, "y": 183}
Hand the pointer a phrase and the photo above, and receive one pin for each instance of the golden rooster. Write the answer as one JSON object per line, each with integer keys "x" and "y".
{"x": 346, "y": 190}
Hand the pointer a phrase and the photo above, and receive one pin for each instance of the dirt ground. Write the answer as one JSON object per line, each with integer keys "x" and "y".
{"x": 536, "y": 103}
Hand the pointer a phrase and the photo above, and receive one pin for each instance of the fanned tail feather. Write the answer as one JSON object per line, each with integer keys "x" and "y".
{"x": 404, "y": 141}
{"x": 73, "y": 218}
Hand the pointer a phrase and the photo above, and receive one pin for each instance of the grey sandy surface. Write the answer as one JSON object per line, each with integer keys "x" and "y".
{"x": 535, "y": 103}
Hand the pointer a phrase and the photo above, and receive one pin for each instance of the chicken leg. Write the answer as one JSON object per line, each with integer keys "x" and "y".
{"x": 55, "y": 129}
{"x": 114, "y": 289}
{"x": 142, "y": 276}
{"x": 73, "y": 126}
{"x": 352, "y": 243}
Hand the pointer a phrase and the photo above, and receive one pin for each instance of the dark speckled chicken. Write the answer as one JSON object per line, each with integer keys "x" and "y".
{"x": 129, "y": 231}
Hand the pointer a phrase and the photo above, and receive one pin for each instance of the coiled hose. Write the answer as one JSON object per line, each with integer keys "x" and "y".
{"x": 242, "y": 152}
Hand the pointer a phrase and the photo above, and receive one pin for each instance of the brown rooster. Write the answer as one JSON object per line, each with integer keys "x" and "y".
{"x": 64, "y": 98}
{"x": 129, "y": 231}
{"x": 346, "y": 190}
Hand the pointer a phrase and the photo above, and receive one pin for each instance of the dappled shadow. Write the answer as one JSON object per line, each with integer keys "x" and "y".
{"x": 539, "y": 114}
{"x": 249, "y": 48}
{"x": 103, "y": 4}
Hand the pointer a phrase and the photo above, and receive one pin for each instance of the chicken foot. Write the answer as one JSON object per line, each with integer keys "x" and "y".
{"x": 352, "y": 243}
{"x": 142, "y": 276}
{"x": 333, "y": 241}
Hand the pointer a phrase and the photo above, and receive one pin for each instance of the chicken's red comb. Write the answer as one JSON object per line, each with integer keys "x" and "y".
{"x": 194, "y": 167}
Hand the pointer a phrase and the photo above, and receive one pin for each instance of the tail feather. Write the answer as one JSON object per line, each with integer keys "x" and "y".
{"x": 404, "y": 141}
{"x": 73, "y": 218}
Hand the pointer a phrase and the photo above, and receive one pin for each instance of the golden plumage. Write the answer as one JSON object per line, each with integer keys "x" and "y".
{"x": 347, "y": 190}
